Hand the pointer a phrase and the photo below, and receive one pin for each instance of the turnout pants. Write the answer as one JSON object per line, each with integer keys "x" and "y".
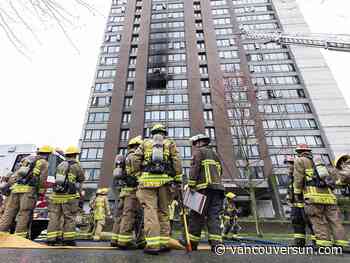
{"x": 155, "y": 202}
{"x": 210, "y": 217}
{"x": 230, "y": 227}
{"x": 117, "y": 219}
{"x": 326, "y": 220}
{"x": 22, "y": 204}
{"x": 98, "y": 227}
{"x": 300, "y": 222}
{"x": 131, "y": 209}
{"x": 62, "y": 220}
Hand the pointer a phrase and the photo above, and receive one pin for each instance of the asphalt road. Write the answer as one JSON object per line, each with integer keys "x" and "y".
{"x": 115, "y": 256}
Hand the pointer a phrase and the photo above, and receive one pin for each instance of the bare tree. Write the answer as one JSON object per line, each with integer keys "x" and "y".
{"x": 20, "y": 17}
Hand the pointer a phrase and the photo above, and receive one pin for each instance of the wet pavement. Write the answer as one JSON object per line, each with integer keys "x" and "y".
{"x": 108, "y": 256}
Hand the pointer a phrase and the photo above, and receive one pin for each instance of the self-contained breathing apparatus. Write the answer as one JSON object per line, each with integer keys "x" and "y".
{"x": 119, "y": 171}
{"x": 65, "y": 182}
{"x": 24, "y": 174}
{"x": 323, "y": 178}
{"x": 158, "y": 164}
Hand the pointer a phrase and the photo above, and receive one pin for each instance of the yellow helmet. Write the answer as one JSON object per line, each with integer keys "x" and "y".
{"x": 230, "y": 195}
{"x": 72, "y": 150}
{"x": 45, "y": 149}
{"x": 341, "y": 158}
{"x": 102, "y": 191}
{"x": 135, "y": 141}
{"x": 158, "y": 128}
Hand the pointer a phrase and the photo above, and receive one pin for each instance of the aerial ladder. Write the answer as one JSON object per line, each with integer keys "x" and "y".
{"x": 336, "y": 42}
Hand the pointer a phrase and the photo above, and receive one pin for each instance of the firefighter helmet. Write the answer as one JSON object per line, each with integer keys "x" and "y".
{"x": 135, "y": 141}
{"x": 302, "y": 148}
{"x": 230, "y": 195}
{"x": 157, "y": 128}
{"x": 102, "y": 191}
{"x": 45, "y": 149}
{"x": 340, "y": 159}
{"x": 72, "y": 150}
{"x": 200, "y": 137}
{"x": 289, "y": 159}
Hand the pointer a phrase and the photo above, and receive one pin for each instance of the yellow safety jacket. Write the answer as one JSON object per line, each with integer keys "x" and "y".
{"x": 306, "y": 183}
{"x": 206, "y": 170}
{"x": 39, "y": 168}
{"x": 172, "y": 207}
{"x": 171, "y": 161}
{"x": 100, "y": 207}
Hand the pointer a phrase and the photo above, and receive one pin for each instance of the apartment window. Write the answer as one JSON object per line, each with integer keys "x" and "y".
{"x": 223, "y": 31}
{"x": 225, "y": 42}
{"x": 124, "y": 135}
{"x": 106, "y": 73}
{"x": 290, "y": 80}
{"x": 203, "y": 70}
{"x": 208, "y": 115}
{"x": 202, "y": 57}
{"x": 95, "y": 135}
{"x": 101, "y": 101}
{"x": 200, "y": 45}
{"x": 236, "y": 96}
{"x": 91, "y": 153}
{"x": 103, "y": 87}
{"x": 210, "y": 131}
{"x": 185, "y": 152}
{"x": 132, "y": 61}
{"x": 205, "y": 84}
{"x": 114, "y": 28}
{"x": 230, "y": 67}
{"x": 271, "y": 68}
{"x": 171, "y": 115}
{"x": 222, "y": 21}
{"x": 98, "y": 117}
{"x": 131, "y": 73}
{"x": 260, "y": 26}
{"x": 178, "y": 45}
{"x": 206, "y": 98}
{"x": 92, "y": 174}
{"x": 246, "y": 151}
{"x": 133, "y": 50}
{"x": 228, "y": 54}
{"x": 217, "y": 2}
{"x": 128, "y": 101}
{"x": 281, "y": 94}
{"x": 177, "y": 84}
{"x": 179, "y": 132}
{"x": 123, "y": 151}
{"x": 222, "y": 11}
{"x": 177, "y": 70}
{"x": 126, "y": 117}
{"x": 289, "y": 108}
{"x": 111, "y": 49}
{"x": 129, "y": 86}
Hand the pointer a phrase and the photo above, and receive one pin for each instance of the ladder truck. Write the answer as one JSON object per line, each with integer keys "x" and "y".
{"x": 335, "y": 42}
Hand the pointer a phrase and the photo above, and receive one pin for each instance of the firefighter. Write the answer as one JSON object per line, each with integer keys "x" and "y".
{"x": 100, "y": 206}
{"x": 64, "y": 200}
{"x": 312, "y": 186}
{"x": 342, "y": 165}
{"x": 299, "y": 219}
{"x": 172, "y": 209}
{"x": 4, "y": 191}
{"x": 30, "y": 180}
{"x": 118, "y": 175}
{"x": 131, "y": 205}
{"x": 205, "y": 177}
{"x": 157, "y": 159}
{"x": 230, "y": 217}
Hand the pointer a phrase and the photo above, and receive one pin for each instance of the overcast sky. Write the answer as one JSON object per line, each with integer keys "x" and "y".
{"x": 43, "y": 100}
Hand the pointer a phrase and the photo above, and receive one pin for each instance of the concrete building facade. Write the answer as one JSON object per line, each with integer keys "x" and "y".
{"x": 185, "y": 63}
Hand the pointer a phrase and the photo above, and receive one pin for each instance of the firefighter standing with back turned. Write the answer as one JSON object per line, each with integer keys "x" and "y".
{"x": 131, "y": 205}
{"x": 342, "y": 165}
{"x": 64, "y": 201}
{"x": 205, "y": 177}
{"x": 118, "y": 183}
{"x": 312, "y": 183}
{"x": 100, "y": 206}
{"x": 299, "y": 219}
{"x": 157, "y": 159}
{"x": 30, "y": 179}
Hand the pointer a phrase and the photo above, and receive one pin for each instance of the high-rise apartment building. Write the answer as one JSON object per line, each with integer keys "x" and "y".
{"x": 186, "y": 64}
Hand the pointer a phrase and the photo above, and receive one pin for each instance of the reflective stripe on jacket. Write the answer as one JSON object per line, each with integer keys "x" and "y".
{"x": 206, "y": 169}
{"x": 305, "y": 183}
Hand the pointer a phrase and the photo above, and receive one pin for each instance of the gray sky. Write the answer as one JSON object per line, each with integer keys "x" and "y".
{"x": 43, "y": 100}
